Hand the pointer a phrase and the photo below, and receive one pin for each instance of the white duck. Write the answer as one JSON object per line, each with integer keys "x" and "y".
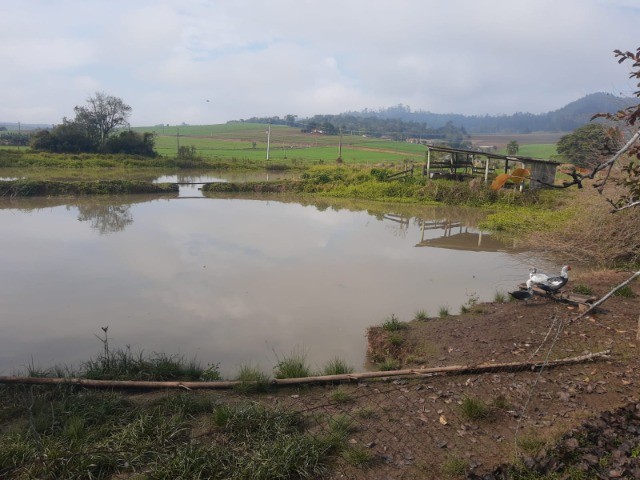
{"x": 536, "y": 277}
{"x": 550, "y": 284}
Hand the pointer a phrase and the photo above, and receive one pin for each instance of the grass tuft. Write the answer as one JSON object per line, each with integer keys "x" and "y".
{"x": 392, "y": 324}
{"x": 337, "y": 366}
{"x": 530, "y": 444}
{"x": 443, "y": 311}
{"x": 366, "y": 413}
{"x": 582, "y": 289}
{"x": 389, "y": 364}
{"x": 293, "y": 366}
{"x": 474, "y": 409}
{"x": 253, "y": 380}
{"x": 358, "y": 456}
{"x": 396, "y": 339}
{"x": 340, "y": 396}
{"x": 454, "y": 466}
{"x": 625, "y": 292}
{"x": 421, "y": 316}
{"x": 500, "y": 297}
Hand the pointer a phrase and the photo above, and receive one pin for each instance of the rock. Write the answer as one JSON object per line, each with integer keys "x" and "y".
{"x": 571, "y": 444}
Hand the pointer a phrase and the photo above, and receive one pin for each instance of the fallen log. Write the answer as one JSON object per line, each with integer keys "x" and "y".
{"x": 348, "y": 377}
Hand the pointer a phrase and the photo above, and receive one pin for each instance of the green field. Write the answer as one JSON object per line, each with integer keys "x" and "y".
{"x": 545, "y": 151}
{"x": 287, "y": 144}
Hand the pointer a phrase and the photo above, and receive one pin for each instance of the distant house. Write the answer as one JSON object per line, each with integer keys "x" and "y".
{"x": 487, "y": 148}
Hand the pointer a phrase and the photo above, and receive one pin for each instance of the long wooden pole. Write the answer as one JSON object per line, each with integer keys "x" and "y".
{"x": 486, "y": 171}
{"x": 452, "y": 370}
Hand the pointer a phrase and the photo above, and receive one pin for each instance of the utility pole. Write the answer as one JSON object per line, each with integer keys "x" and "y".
{"x": 178, "y": 140}
{"x": 340, "y": 146}
{"x": 268, "y": 139}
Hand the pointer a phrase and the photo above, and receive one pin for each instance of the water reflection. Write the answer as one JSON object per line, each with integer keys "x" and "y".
{"x": 455, "y": 235}
{"x": 106, "y": 218}
{"x": 228, "y": 280}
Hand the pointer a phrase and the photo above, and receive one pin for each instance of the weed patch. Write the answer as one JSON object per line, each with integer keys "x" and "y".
{"x": 392, "y": 324}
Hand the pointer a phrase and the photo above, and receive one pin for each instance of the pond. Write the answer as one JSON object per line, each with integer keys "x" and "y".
{"x": 231, "y": 281}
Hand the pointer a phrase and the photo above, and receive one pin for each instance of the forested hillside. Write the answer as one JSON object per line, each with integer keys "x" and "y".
{"x": 565, "y": 119}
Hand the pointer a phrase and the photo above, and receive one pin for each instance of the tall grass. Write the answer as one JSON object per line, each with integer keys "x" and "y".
{"x": 253, "y": 380}
{"x": 123, "y": 364}
{"x": 337, "y": 366}
{"x": 293, "y": 366}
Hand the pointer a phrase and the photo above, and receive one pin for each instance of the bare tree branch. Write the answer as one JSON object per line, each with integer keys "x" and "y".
{"x": 607, "y": 296}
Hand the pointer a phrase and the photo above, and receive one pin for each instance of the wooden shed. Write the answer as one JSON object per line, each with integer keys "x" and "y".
{"x": 460, "y": 163}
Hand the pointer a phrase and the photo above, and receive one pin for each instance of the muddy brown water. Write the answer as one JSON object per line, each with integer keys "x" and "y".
{"x": 230, "y": 281}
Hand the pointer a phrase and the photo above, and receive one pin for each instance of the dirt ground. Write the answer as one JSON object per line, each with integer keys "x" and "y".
{"x": 553, "y": 402}
{"x": 426, "y": 427}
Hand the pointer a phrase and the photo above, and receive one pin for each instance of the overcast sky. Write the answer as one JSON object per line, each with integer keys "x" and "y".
{"x": 210, "y": 61}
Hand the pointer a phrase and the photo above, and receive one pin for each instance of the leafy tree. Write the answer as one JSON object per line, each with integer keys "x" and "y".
{"x": 588, "y": 146}
{"x": 131, "y": 143}
{"x": 102, "y": 115}
{"x": 513, "y": 147}
{"x": 68, "y": 137}
{"x": 630, "y": 166}
{"x": 14, "y": 139}
{"x": 92, "y": 130}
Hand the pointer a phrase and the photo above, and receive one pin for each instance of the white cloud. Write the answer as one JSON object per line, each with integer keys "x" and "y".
{"x": 272, "y": 58}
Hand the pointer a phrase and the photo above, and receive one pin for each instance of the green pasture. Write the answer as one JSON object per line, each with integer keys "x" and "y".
{"x": 248, "y": 141}
{"x": 542, "y": 150}
{"x": 287, "y": 144}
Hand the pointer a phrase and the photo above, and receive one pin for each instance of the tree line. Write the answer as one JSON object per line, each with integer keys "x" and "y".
{"x": 94, "y": 129}
{"x": 372, "y": 126}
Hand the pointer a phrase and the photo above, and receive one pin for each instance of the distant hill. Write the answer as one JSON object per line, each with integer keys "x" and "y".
{"x": 565, "y": 119}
